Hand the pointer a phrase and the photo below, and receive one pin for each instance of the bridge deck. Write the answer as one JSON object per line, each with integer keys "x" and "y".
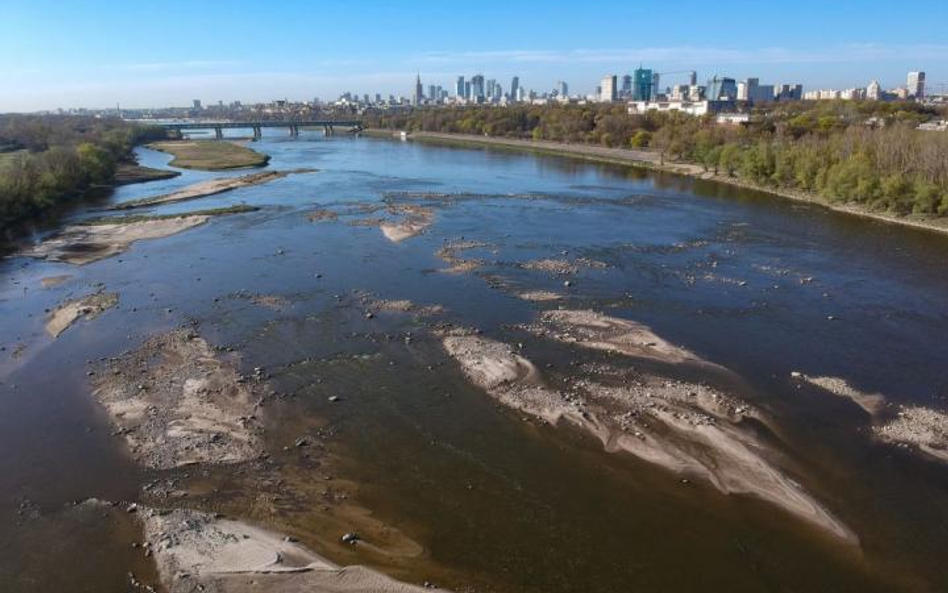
{"x": 260, "y": 124}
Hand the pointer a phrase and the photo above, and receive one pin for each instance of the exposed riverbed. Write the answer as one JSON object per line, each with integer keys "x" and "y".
{"x": 489, "y": 371}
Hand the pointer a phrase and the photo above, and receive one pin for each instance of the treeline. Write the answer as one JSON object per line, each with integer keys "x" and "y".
{"x": 48, "y": 160}
{"x": 869, "y": 153}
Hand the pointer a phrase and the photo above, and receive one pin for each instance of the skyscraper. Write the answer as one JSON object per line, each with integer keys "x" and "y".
{"x": 459, "y": 88}
{"x": 641, "y": 84}
{"x": 491, "y": 85}
{"x": 722, "y": 89}
{"x": 419, "y": 92}
{"x": 626, "y": 90}
{"x": 916, "y": 85}
{"x": 562, "y": 89}
{"x": 609, "y": 91}
{"x": 477, "y": 87}
{"x": 874, "y": 91}
{"x": 514, "y": 88}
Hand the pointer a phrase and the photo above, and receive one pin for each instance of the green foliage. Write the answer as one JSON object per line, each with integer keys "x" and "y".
{"x": 57, "y": 158}
{"x": 868, "y": 153}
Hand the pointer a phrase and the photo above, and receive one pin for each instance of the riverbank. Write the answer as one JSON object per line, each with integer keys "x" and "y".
{"x": 129, "y": 173}
{"x": 651, "y": 160}
{"x": 211, "y": 155}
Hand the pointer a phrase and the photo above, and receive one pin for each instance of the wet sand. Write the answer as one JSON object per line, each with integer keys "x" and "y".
{"x": 177, "y": 403}
{"x": 412, "y": 221}
{"x": 198, "y": 551}
{"x": 209, "y": 188}
{"x": 84, "y": 244}
{"x": 691, "y": 429}
{"x": 89, "y": 307}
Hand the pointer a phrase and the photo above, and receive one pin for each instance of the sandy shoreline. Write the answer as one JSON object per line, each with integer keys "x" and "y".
{"x": 651, "y": 160}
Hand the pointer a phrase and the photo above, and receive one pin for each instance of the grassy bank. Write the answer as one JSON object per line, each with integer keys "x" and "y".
{"x": 653, "y": 160}
{"x": 210, "y": 155}
{"x": 128, "y": 173}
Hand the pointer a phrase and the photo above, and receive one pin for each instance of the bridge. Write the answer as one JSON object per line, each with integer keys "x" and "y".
{"x": 328, "y": 126}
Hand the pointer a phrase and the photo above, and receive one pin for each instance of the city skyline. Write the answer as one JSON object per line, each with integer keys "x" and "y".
{"x": 51, "y": 61}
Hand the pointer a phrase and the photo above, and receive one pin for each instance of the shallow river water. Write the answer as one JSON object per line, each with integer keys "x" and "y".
{"x": 444, "y": 484}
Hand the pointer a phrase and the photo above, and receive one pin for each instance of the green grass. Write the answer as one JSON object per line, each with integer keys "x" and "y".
{"x": 131, "y": 218}
{"x": 211, "y": 155}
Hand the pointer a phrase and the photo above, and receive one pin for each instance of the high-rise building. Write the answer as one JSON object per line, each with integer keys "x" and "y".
{"x": 916, "y": 85}
{"x": 642, "y": 84}
{"x": 722, "y": 89}
{"x": 562, "y": 89}
{"x": 608, "y": 89}
{"x": 788, "y": 92}
{"x": 419, "y": 92}
{"x": 197, "y": 103}
{"x": 459, "y": 88}
{"x": 477, "y": 87}
{"x": 514, "y": 88}
{"x": 626, "y": 90}
{"x": 467, "y": 90}
{"x": 491, "y": 85}
{"x": 874, "y": 91}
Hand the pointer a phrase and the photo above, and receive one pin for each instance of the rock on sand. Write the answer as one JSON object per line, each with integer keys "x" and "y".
{"x": 89, "y": 307}
{"x": 195, "y": 551}
{"x": 178, "y": 403}
{"x": 687, "y": 428}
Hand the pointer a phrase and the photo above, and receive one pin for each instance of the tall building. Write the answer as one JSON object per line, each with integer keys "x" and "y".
{"x": 642, "y": 84}
{"x": 626, "y": 90}
{"x": 609, "y": 91}
{"x": 433, "y": 93}
{"x": 419, "y": 92}
{"x": 562, "y": 89}
{"x": 467, "y": 90}
{"x": 514, "y": 88}
{"x": 491, "y": 86}
{"x": 788, "y": 92}
{"x": 874, "y": 91}
{"x": 477, "y": 87}
{"x": 916, "y": 85}
{"x": 197, "y": 103}
{"x": 459, "y": 88}
{"x": 722, "y": 88}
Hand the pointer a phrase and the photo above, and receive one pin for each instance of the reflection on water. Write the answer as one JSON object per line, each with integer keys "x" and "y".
{"x": 753, "y": 283}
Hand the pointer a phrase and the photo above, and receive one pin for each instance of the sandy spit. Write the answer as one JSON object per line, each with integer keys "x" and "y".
{"x": 88, "y": 307}
{"x": 195, "y": 551}
{"x": 209, "y": 188}
{"x": 601, "y": 332}
{"x": 539, "y": 296}
{"x": 83, "y": 244}
{"x": 177, "y": 403}
{"x": 54, "y": 281}
{"x": 914, "y": 427}
{"x": 872, "y": 403}
{"x": 918, "y": 427}
{"x": 321, "y": 215}
{"x": 451, "y": 252}
{"x": 412, "y": 222}
{"x": 687, "y": 428}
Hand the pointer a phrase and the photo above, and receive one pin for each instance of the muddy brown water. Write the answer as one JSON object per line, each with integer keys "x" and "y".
{"x": 443, "y": 484}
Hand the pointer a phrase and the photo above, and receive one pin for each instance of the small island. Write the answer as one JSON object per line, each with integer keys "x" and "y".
{"x": 210, "y": 155}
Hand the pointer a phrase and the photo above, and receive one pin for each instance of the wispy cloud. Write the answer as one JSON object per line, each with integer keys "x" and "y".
{"x": 182, "y": 65}
{"x": 687, "y": 54}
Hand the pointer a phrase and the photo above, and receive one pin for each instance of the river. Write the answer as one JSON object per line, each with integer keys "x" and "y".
{"x": 447, "y": 485}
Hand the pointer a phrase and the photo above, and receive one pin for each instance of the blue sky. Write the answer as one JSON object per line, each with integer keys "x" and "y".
{"x": 151, "y": 53}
